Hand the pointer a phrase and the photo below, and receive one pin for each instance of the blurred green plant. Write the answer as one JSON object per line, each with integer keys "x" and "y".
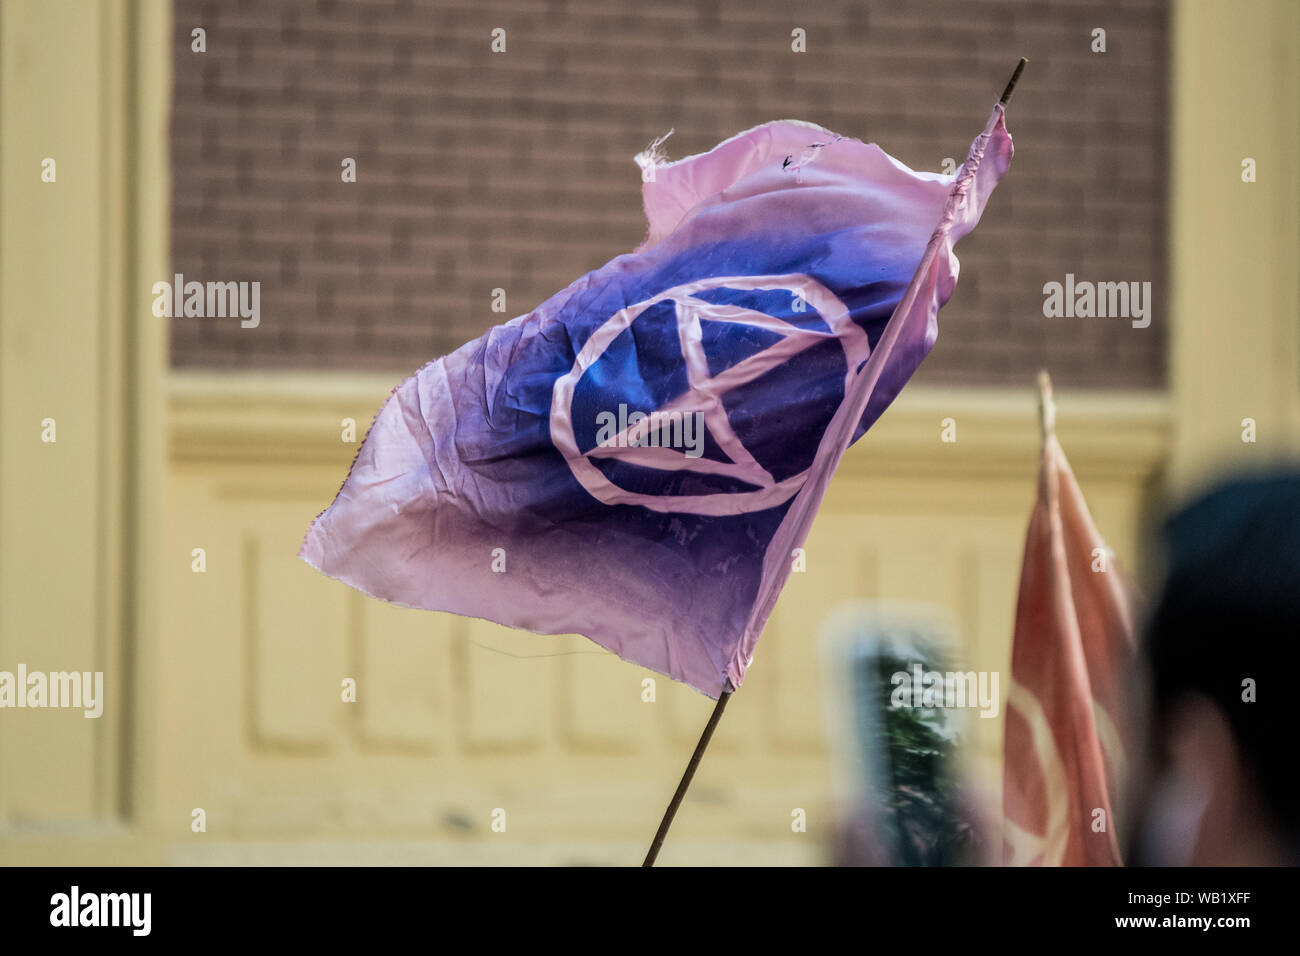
{"x": 918, "y": 805}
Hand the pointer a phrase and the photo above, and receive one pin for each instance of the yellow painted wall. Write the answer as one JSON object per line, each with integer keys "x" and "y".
{"x": 225, "y": 685}
{"x": 457, "y": 717}
{"x": 1235, "y": 249}
{"x": 81, "y": 517}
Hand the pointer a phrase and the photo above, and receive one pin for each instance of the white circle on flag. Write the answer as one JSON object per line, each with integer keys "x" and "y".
{"x": 705, "y": 394}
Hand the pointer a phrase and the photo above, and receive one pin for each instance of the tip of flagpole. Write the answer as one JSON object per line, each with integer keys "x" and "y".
{"x": 1046, "y": 404}
{"x": 1011, "y": 83}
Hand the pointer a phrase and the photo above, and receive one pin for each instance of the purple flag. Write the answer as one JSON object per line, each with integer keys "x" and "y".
{"x": 637, "y": 458}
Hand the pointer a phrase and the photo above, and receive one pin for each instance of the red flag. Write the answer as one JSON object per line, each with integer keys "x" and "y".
{"x": 1064, "y": 753}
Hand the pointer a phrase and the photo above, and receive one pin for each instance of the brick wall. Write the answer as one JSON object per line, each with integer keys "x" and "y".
{"x": 479, "y": 170}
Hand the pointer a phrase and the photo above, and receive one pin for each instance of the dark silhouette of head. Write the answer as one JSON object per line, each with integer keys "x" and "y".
{"x": 1222, "y": 661}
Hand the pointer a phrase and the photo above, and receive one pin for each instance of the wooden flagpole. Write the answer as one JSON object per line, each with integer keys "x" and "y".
{"x": 676, "y": 801}
{"x": 1005, "y": 98}
{"x": 1046, "y": 406}
{"x": 705, "y": 737}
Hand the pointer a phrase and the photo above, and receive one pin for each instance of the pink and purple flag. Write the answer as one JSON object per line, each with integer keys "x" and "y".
{"x": 637, "y": 458}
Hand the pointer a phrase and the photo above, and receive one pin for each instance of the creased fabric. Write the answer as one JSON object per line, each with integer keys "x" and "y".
{"x": 786, "y": 290}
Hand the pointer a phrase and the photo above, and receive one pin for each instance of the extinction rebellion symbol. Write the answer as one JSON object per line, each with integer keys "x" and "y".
{"x": 704, "y": 396}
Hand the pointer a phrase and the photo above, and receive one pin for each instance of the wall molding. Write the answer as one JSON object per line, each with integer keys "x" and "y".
{"x": 295, "y": 418}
